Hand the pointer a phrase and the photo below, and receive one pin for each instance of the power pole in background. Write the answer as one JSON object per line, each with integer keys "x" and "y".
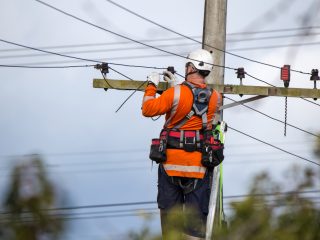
{"x": 214, "y": 34}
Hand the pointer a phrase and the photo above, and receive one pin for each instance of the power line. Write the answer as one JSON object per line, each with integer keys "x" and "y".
{"x": 277, "y": 46}
{"x": 93, "y": 51}
{"x": 66, "y": 56}
{"x": 126, "y": 204}
{"x": 107, "y": 30}
{"x": 275, "y": 119}
{"x": 166, "y": 55}
{"x": 94, "y": 25}
{"x": 272, "y": 37}
{"x": 68, "y": 46}
{"x": 49, "y": 52}
{"x": 275, "y": 30}
{"x": 44, "y": 67}
{"x": 130, "y": 39}
{"x": 273, "y": 146}
{"x": 95, "y": 206}
{"x": 170, "y": 45}
{"x": 275, "y": 86}
{"x": 187, "y": 37}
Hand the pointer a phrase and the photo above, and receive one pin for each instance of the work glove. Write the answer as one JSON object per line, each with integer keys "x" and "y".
{"x": 170, "y": 78}
{"x": 154, "y": 78}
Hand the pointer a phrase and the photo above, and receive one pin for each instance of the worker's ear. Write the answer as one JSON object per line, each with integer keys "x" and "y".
{"x": 189, "y": 68}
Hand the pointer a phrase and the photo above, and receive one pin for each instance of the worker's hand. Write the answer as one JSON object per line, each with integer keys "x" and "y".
{"x": 170, "y": 78}
{"x": 154, "y": 78}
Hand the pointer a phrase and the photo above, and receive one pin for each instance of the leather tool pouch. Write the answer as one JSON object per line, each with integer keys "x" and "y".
{"x": 158, "y": 150}
{"x": 212, "y": 153}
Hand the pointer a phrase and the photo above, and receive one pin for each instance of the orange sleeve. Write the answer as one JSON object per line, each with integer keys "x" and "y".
{"x": 153, "y": 106}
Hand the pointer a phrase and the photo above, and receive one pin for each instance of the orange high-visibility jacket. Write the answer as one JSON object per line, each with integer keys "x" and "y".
{"x": 179, "y": 162}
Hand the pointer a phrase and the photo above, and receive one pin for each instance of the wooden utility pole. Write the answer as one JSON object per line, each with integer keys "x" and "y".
{"x": 214, "y": 37}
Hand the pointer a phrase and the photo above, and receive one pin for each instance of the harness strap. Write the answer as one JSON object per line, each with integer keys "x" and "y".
{"x": 198, "y": 138}
{"x": 181, "y": 138}
{"x": 194, "y": 110}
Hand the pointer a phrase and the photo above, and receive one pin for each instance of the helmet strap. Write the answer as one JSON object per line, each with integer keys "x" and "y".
{"x": 192, "y": 72}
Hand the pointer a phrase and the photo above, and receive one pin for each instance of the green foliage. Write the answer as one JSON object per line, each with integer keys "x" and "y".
{"x": 276, "y": 216}
{"x": 29, "y": 194}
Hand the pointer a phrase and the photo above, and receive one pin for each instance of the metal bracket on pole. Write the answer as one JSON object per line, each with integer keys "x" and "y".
{"x": 237, "y": 103}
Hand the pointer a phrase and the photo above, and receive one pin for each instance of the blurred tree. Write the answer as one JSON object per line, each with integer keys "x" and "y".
{"x": 292, "y": 215}
{"x": 29, "y": 195}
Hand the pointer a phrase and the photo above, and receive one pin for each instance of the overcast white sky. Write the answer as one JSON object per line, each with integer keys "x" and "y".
{"x": 98, "y": 156}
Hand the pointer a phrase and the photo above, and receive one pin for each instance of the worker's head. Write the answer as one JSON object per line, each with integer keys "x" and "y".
{"x": 199, "y": 62}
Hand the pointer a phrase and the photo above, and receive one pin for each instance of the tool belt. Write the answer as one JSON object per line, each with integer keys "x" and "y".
{"x": 190, "y": 141}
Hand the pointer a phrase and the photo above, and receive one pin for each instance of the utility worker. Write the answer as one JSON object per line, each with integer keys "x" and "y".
{"x": 190, "y": 107}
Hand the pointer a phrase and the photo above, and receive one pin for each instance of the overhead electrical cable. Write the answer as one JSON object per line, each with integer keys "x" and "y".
{"x": 66, "y": 56}
{"x": 192, "y": 39}
{"x": 49, "y": 52}
{"x": 271, "y": 37}
{"x": 43, "y": 67}
{"x": 92, "y": 51}
{"x": 275, "y": 30}
{"x": 273, "y": 146}
{"x": 122, "y": 36}
{"x": 70, "y": 46}
{"x": 307, "y": 100}
{"x": 107, "y": 30}
{"x": 161, "y": 55}
{"x": 167, "y": 45}
{"x": 126, "y": 204}
{"x": 273, "y": 118}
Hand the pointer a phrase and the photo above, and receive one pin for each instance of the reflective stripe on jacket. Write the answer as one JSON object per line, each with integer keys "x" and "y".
{"x": 176, "y": 103}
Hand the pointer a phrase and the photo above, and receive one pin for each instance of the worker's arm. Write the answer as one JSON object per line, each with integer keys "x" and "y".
{"x": 153, "y": 106}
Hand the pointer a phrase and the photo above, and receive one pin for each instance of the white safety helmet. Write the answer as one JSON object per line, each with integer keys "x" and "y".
{"x": 201, "y": 59}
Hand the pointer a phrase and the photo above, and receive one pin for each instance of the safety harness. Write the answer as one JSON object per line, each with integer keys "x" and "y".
{"x": 189, "y": 140}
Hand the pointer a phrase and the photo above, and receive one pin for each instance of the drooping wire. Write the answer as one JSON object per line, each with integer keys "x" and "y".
{"x": 273, "y": 146}
{"x": 122, "y": 104}
{"x": 275, "y": 119}
{"x": 104, "y": 77}
{"x": 260, "y": 80}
